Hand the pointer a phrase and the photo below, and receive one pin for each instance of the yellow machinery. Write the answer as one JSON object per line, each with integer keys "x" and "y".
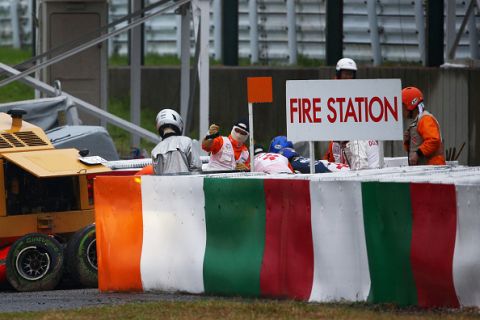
{"x": 46, "y": 209}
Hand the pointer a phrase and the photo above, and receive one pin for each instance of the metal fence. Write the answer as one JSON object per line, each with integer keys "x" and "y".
{"x": 399, "y": 37}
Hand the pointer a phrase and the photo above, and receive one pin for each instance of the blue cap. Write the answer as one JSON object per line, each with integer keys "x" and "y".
{"x": 278, "y": 143}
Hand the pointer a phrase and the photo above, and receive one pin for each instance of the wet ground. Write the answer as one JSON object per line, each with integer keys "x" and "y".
{"x": 12, "y": 301}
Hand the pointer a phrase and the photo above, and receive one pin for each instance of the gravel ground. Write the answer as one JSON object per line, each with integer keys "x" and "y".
{"x": 11, "y": 301}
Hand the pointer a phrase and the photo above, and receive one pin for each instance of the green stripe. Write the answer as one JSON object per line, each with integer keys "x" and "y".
{"x": 235, "y": 220}
{"x": 387, "y": 214}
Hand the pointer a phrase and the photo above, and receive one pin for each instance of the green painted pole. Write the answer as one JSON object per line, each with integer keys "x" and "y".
{"x": 334, "y": 32}
{"x": 435, "y": 34}
{"x": 230, "y": 32}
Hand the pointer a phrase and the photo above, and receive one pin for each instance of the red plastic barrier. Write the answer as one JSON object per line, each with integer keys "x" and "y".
{"x": 3, "y": 266}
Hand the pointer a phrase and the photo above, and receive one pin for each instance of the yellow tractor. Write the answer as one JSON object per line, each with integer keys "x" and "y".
{"x": 46, "y": 209}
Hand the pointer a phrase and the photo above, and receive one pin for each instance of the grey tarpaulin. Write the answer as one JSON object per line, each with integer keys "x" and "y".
{"x": 95, "y": 139}
{"x": 46, "y": 113}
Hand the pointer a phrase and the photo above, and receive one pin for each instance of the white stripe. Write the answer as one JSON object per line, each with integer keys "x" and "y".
{"x": 466, "y": 258}
{"x": 174, "y": 233}
{"x": 340, "y": 254}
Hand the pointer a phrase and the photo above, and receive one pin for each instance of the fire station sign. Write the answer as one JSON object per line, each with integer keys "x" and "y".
{"x": 322, "y": 110}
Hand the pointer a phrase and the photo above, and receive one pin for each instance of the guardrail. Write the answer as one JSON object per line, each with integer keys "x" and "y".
{"x": 393, "y": 235}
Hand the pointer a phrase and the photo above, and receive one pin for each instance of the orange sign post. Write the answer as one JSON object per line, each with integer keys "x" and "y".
{"x": 259, "y": 90}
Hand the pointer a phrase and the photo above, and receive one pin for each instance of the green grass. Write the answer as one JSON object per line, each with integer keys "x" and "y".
{"x": 120, "y": 108}
{"x": 15, "y": 91}
{"x": 244, "y": 309}
{"x": 117, "y": 60}
{"x": 153, "y": 59}
{"x": 11, "y": 56}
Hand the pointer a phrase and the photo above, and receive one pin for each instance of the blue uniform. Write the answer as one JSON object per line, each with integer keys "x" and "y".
{"x": 302, "y": 165}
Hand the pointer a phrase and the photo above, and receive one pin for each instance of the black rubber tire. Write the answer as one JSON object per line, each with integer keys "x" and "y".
{"x": 35, "y": 263}
{"x": 81, "y": 257}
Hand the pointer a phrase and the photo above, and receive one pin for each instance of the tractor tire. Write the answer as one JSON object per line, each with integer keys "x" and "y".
{"x": 35, "y": 263}
{"x": 81, "y": 258}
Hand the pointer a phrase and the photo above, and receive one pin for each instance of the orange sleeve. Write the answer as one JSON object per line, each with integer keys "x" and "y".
{"x": 216, "y": 146}
{"x": 329, "y": 154}
{"x": 429, "y": 130}
{"x": 147, "y": 170}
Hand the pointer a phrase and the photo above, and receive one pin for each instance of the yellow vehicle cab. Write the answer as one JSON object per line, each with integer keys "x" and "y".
{"x": 46, "y": 209}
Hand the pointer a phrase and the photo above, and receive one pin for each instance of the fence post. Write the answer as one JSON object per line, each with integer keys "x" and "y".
{"x": 420, "y": 22}
{"x": 334, "y": 31}
{"x": 230, "y": 33}
{"x": 217, "y": 29}
{"x": 292, "y": 32}
{"x": 15, "y": 25}
{"x": 435, "y": 34}
{"x": 374, "y": 37}
{"x": 253, "y": 19}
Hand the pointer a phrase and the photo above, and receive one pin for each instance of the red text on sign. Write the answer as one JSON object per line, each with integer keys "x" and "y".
{"x": 305, "y": 110}
{"x": 340, "y": 109}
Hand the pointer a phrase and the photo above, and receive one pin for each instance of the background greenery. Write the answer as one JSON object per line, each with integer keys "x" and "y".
{"x": 18, "y": 91}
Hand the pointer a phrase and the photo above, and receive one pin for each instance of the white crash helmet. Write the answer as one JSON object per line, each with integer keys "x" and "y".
{"x": 346, "y": 64}
{"x": 170, "y": 118}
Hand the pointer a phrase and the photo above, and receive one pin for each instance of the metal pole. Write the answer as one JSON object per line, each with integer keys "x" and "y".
{"x": 252, "y": 147}
{"x": 253, "y": 18}
{"x": 311, "y": 147}
{"x": 90, "y": 108}
{"x": 104, "y": 73}
{"x": 217, "y": 29}
{"x": 420, "y": 22}
{"x": 204, "y": 67}
{"x": 178, "y": 35}
{"x": 29, "y": 23}
{"x": 135, "y": 74}
{"x": 381, "y": 154}
{"x": 292, "y": 32}
{"x": 90, "y": 43}
{"x": 473, "y": 35}
{"x": 450, "y": 28}
{"x": 186, "y": 17}
{"x": 456, "y": 41}
{"x": 374, "y": 37}
{"x": 15, "y": 25}
{"x": 33, "y": 25}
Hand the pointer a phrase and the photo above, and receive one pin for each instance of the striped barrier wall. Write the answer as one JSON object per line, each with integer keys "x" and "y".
{"x": 308, "y": 238}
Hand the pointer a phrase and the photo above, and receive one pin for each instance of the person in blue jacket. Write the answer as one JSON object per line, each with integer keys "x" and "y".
{"x": 282, "y": 145}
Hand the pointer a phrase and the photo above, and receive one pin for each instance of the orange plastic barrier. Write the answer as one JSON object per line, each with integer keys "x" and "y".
{"x": 119, "y": 200}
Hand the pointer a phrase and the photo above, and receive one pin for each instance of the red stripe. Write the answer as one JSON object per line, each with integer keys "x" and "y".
{"x": 433, "y": 243}
{"x": 3, "y": 267}
{"x": 287, "y": 266}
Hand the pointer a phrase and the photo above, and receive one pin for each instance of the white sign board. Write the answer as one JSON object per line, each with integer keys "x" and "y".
{"x": 323, "y": 110}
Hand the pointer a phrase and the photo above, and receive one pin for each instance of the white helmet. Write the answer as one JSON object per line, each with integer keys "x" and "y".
{"x": 346, "y": 64}
{"x": 171, "y": 118}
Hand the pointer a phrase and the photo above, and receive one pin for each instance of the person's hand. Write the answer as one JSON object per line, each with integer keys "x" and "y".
{"x": 413, "y": 159}
{"x": 241, "y": 167}
{"x": 406, "y": 137}
{"x": 213, "y": 129}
